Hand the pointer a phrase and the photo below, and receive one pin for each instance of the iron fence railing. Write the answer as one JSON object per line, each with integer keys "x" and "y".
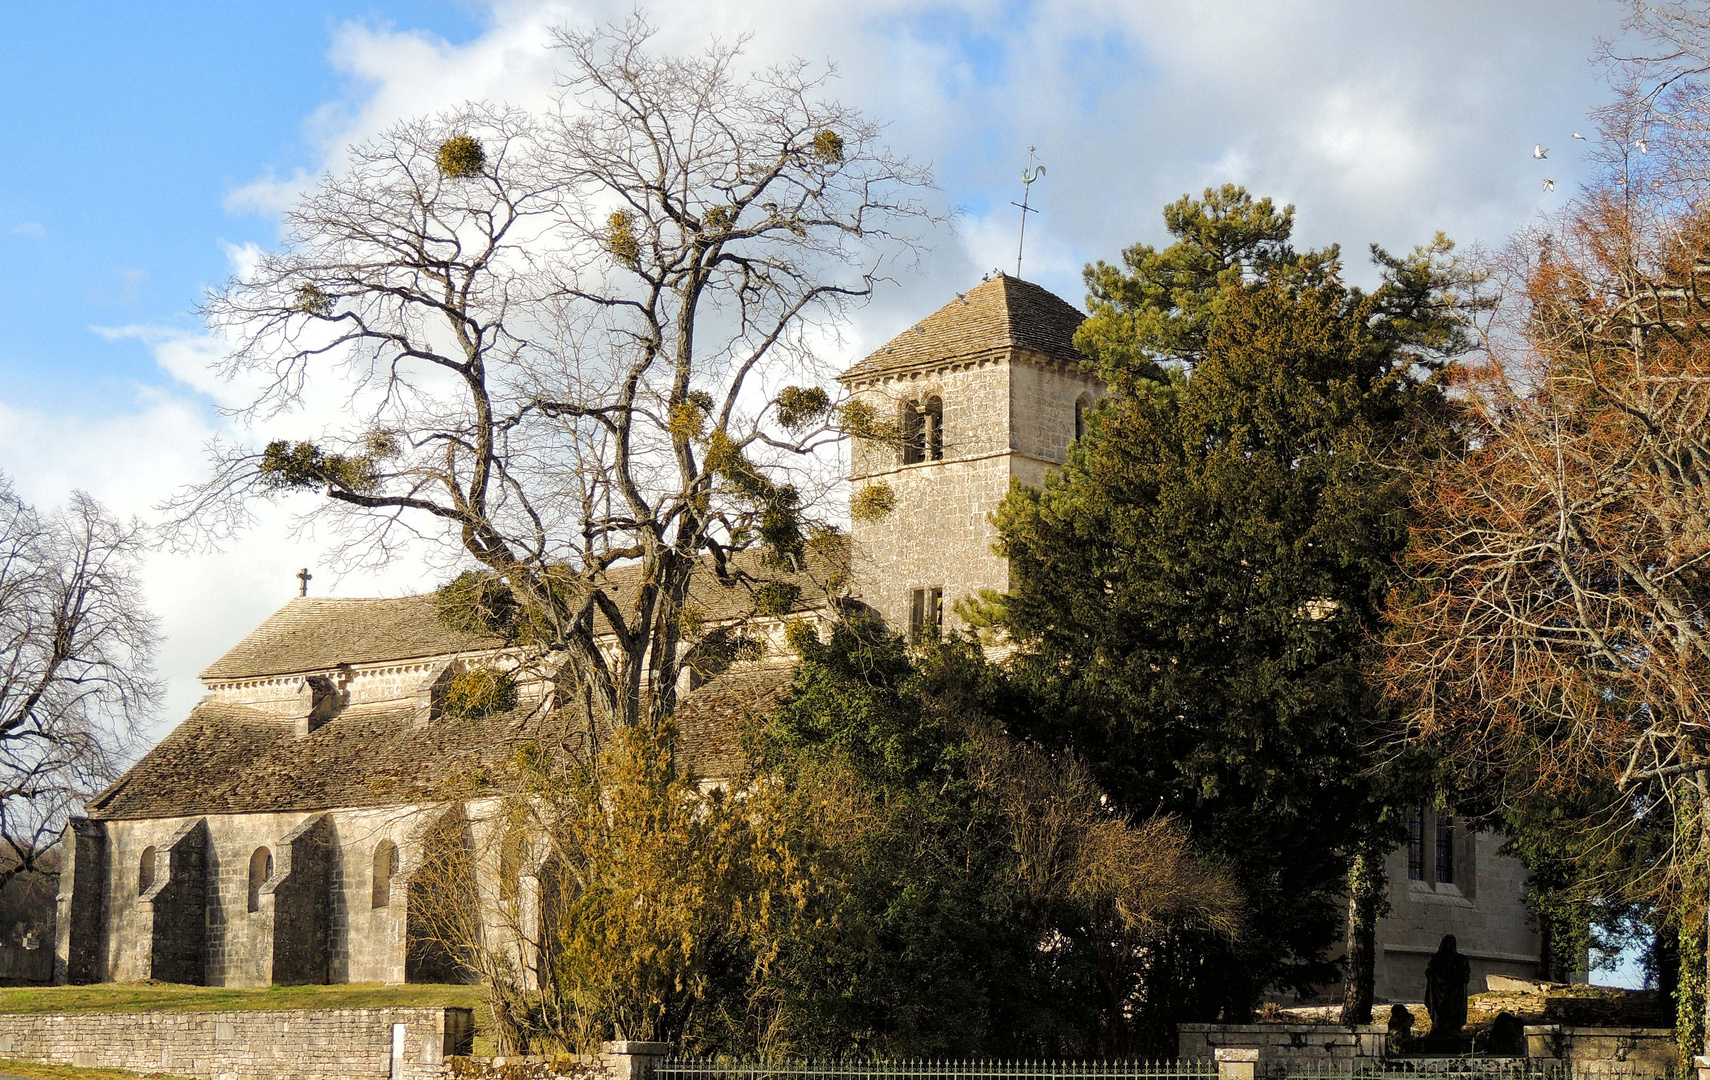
{"x": 1459, "y": 1068}
{"x": 1468, "y": 1068}
{"x": 868, "y": 1069}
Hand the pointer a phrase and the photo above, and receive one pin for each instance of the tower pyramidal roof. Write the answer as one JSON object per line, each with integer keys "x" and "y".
{"x": 1003, "y": 312}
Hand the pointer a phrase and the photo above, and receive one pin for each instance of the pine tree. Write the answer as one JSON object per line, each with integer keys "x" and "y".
{"x": 1194, "y": 592}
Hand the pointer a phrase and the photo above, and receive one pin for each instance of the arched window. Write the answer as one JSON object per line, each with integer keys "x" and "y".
{"x": 1082, "y": 403}
{"x": 912, "y": 430}
{"x": 145, "y": 870}
{"x": 933, "y": 435}
{"x": 385, "y": 865}
{"x": 260, "y": 869}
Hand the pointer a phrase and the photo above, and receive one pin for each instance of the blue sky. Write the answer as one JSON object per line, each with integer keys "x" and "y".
{"x": 127, "y": 131}
{"x": 148, "y": 152}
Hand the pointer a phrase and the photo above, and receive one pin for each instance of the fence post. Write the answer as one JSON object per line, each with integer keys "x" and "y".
{"x": 627, "y": 1059}
{"x": 1239, "y": 1062}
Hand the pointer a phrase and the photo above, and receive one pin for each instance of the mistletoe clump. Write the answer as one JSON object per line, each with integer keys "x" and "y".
{"x": 461, "y": 156}
{"x": 776, "y": 598}
{"x": 828, "y": 147}
{"x": 620, "y": 237}
{"x": 478, "y": 692}
{"x": 802, "y": 406}
{"x": 313, "y": 300}
{"x": 873, "y": 502}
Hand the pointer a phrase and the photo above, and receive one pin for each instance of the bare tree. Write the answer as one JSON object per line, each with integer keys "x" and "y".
{"x": 569, "y": 339}
{"x": 76, "y": 647}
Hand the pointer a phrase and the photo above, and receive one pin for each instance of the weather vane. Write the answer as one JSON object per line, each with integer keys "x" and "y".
{"x": 1028, "y": 175}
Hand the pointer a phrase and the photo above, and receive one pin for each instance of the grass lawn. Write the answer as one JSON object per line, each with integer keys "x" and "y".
{"x": 172, "y": 997}
{"x": 167, "y": 997}
{"x": 66, "y": 1072}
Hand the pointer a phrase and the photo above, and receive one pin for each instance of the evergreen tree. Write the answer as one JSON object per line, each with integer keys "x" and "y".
{"x": 1194, "y": 592}
{"x": 975, "y": 895}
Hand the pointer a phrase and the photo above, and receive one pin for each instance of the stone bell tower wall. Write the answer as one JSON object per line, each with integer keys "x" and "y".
{"x": 1042, "y": 396}
{"x": 938, "y": 535}
{"x": 1008, "y": 414}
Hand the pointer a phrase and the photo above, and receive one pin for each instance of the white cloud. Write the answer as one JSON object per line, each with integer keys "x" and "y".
{"x": 28, "y": 228}
{"x": 268, "y": 195}
{"x": 1380, "y": 122}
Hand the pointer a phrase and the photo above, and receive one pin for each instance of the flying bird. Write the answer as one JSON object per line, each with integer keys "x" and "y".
{"x": 1643, "y": 149}
{"x": 1549, "y": 185}
{"x": 1540, "y": 151}
{"x": 1577, "y": 135}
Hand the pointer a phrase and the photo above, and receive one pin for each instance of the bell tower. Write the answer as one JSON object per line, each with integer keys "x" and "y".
{"x": 986, "y": 389}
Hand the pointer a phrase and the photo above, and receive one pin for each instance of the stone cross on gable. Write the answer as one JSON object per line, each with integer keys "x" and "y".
{"x": 303, "y": 578}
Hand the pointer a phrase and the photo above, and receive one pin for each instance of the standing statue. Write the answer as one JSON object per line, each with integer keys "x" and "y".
{"x": 1446, "y": 990}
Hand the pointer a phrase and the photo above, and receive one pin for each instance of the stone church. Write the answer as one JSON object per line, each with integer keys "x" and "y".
{"x": 275, "y": 836}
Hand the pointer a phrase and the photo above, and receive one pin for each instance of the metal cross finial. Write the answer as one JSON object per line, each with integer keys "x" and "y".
{"x": 1028, "y": 175}
{"x": 303, "y": 577}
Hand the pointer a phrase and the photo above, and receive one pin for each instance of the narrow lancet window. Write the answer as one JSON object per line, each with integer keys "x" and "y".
{"x": 912, "y": 429}
{"x": 145, "y": 871}
{"x": 1445, "y": 849}
{"x": 1416, "y": 845}
{"x": 260, "y": 869}
{"x": 933, "y": 436}
{"x": 385, "y": 865}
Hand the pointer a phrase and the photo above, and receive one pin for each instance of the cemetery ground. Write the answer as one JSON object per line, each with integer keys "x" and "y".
{"x": 32, "y": 1070}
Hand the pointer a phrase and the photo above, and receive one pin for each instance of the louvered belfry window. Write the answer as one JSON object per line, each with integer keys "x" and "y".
{"x": 925, "y": 611}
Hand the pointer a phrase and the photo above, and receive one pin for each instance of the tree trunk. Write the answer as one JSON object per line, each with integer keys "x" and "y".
{"x": 1365, "y": 904}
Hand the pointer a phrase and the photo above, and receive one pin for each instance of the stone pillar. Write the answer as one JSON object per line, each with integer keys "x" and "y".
{"x": 627, "y": 1059}
{"x": 79, "y": 927}
{"x": 1237, "y": 1062}
{"x": 1701, "y": 1066}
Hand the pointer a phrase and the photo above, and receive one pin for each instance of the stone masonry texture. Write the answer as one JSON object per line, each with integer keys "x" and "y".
{"x": 282, "y": 1045}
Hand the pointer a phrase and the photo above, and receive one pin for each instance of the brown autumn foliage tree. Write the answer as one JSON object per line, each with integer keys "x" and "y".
{"x": 1554, "y": 636}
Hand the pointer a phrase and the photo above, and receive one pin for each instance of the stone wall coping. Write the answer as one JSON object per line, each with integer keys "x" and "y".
{"x": 637, "y": 1048}
{"x": 1587, "y": 1029}
{"x": 226, "y": 1014}
{"x": 1285, "y": 1029}
{"x": 1236, "y": 1053}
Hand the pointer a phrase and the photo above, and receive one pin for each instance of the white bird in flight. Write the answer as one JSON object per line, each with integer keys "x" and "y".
{"x": 1549, "y": 185}
{"x": 1577, "y": 135}
{"x": 1643, "y": 149}
{"x": 1540, "y": 151}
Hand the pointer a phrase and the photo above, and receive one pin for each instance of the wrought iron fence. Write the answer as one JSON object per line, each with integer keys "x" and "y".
{"x": 1458, "y": 1068}
{"x": 867, "y": 1069}
{"x": 1470, "y": 1068}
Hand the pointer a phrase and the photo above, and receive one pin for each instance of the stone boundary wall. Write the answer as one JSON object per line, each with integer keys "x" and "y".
{"x": 327, "y": 1044}
{"x": 1282, "y": 1042}
{"x": 1577, "y": 1047}
{"x": 1642, "y": 1048}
